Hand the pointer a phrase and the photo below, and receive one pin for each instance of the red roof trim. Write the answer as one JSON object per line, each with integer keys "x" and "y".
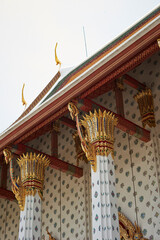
{"x": 85, "y": 84}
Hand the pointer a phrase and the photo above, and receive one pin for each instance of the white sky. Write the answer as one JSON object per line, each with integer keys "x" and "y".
{"x": 29, "y": 30}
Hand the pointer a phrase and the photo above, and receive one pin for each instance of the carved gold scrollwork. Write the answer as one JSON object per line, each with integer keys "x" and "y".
{"x": 73, "y": 110}
{"x": 120, "y": 84}
{"x": 79, "y": 152}
{"x": 7, "y": 155}
{"x": 56, "y": 126}
{"x": 17, "y": 187}
{"x": 20, "y": 196}
{"x": 86, "y": 146}
{"x": 145, "y": 102}
{"x": 50, "y": 237}
{"x": 127, "y": 230}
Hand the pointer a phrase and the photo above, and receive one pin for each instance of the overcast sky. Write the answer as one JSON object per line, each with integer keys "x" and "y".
{"x": 29, "y": 30}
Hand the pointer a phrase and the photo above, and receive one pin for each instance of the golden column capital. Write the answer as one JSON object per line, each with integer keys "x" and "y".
{"x": 32, "y": 167}
{"x": 145, "y": 102}
{"x": 99, "y": 128}
{"x": 96, "y": 132}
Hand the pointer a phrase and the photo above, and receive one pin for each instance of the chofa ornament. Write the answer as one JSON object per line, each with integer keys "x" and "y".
{"x": 32, "y": 167}
{"x": 96, "y": 132}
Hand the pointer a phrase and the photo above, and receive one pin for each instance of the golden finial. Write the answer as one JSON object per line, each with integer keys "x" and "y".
{"x": 23, "y": 100}
{"x": 56, "y": 58}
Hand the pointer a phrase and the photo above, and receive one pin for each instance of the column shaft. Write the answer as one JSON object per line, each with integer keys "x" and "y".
{"x": 96, "y": 133}
{"x": 28, "y": 190}
{"x": 30, "y": 219}
{"x": 105, "y": 222}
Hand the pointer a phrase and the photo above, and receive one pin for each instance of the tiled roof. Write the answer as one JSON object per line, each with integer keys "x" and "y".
{"x": 60, "y": 80}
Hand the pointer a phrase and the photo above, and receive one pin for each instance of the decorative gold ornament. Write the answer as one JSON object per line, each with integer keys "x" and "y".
{"x": 86, "y": 146}
{"x": 96, "y": 132}
{"x": 7, "y": 155}
{"x": 79, "y": 152}
{"x": 17, "y": 188}
{"x": 127, "y": 230}
{"x": 145, "y": 102}
{"x": 50, "y": 237}
{"x": 73, "y": 110}
{"x": 20, "y": 195}
{"x": 120, "y": 84}
{"x": 23, "y": 100}
{"x": 32, "y": 169}
{"x": 158, "y": 41}
{"x": 56, "y": 58}
{"x": 56, "y": 126}
{"x": 100, "y": 129}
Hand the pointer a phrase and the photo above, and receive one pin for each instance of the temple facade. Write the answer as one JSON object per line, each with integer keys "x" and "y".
{"x": 83, "y": 160}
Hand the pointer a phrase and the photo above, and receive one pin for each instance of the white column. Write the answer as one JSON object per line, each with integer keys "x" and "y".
{"x": 87, "y": 183}
{"x": 30, "y": 219}
{"x": 29, "y": 195}
{"x": 152, "y": 163}
{"x": 97, "y": 140}
{"x": 105, "y": 223}
{"x": 28, "y": 190}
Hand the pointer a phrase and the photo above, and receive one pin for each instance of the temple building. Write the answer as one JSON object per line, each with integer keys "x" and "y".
{"x": 83, "y": 160}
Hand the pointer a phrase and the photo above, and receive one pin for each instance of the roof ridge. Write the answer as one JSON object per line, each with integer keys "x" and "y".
{"x": 40, "y": 96}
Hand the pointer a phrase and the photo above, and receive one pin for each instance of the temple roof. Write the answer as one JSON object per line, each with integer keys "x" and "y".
{"x": 66, "y": 75}
{"x": 72, "y": 80}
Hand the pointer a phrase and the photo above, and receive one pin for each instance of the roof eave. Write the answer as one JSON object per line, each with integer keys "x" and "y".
{"x": 66, "y": 91}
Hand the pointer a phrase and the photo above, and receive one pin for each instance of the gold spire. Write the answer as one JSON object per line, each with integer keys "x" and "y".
{"x": 23, "y": 100}
{"x": 56, "y": 58}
